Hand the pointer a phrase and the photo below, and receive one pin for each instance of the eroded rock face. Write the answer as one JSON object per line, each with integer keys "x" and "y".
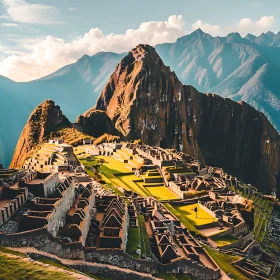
{"x": 46, "y": 118}
{"x": 96, "y": 123}
{"x": 146, "y": 100}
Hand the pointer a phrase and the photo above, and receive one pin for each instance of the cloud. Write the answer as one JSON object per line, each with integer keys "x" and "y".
{"x": 21, "y": 11}
{"x": 243, "y": 26}
{"x": 51, "y": 53}
{"x": 214, "y": 30}
{"x": 72, "y": 9}
{"x": 247, "y": 25}
{"x": 9, "y": 24}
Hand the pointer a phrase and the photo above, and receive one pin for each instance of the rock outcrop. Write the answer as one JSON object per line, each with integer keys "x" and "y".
{"x": 145, "y": 100}
{"x": 96, "y": 123}
{"x": 45, "y": 119}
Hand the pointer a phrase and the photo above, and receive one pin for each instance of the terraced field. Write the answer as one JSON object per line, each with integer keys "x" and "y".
{"x": 116, "y": 176}
{"x": 262, "y": 214}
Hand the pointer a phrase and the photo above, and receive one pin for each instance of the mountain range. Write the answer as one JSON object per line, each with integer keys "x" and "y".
{"x": 232, "y": 66}
{"x": 145, "y": 100}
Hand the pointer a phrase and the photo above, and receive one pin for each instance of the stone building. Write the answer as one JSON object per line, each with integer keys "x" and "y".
{"x": 113, "y": 231}
{"x": 50, "y": 212}
{"x": 40, "y": 184}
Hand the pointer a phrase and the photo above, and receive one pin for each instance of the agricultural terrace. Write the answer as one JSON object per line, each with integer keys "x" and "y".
{"x": 263, "y": 208}
{"x": 116, "y": 176}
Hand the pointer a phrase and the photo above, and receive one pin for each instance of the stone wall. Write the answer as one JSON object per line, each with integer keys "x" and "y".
{"x": 191, "y": 267}
{"x": 119, "y": 258}
{"x": 13, "y": 206}
{"x": 42, "y": 240}
{"x": 96, "y": 268}
{"x": 58, "y": 216}
{"x": 87, "y": 218}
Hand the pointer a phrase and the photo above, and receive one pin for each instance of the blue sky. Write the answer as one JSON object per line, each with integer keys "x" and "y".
{"x": 40, "y": 36}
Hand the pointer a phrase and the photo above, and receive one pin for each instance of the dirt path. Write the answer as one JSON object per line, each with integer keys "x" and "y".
{"x": 69, "y": 262}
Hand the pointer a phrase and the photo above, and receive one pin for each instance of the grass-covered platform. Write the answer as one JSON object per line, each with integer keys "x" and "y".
{"x": 224, "y": 240}
{"x": 115, "y": 174}
{"x": 202, "y": 216}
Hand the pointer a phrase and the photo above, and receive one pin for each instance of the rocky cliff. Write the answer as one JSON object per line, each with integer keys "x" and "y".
{"x": 146, "y": 100}
{"x": 46, "y": 118}
{"x": 96, "y": 123}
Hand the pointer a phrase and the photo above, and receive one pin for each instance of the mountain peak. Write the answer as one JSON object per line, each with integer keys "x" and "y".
{"x": 198, "y": 33}
{"x": 270, "y": 33}
{"x": 234, "y": 37}
{"x": 250, "y": 37}
{"x": 45, "y": 118}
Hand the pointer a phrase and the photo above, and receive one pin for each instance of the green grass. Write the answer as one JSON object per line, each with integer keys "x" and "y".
{"x": 162, "y": 193}
{"x": 12, "y": 252}
{"x": 202, "y": 216}
{"x": 133, "y": 241}
{"x": 144, "y": 239}
{"x": 224, "y": 262}
{"x": 171, "y": 276}
{"x": 261, "y": 217}
{"x": 182, "y": 218}
{"x": 224, "y": 240}
{"x": 114, "y": 173}
{"x": 11, "y": 269}
{"x": 58, "y": 265}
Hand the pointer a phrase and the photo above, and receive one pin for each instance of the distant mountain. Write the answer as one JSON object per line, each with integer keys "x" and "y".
{"x": 239, "y": 68}
{"x": 267, "y": 39}
{"x": 75, "y": 87}
{"x": 146, "y": 101}
{"x": 235, "y": 67}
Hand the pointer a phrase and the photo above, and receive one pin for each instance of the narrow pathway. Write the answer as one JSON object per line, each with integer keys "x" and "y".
{"x": 69, "y": 262}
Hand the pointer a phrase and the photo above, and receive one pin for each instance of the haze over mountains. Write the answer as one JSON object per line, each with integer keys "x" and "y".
{"x": 240, "y": 68}
{"x": 74, "y": 87}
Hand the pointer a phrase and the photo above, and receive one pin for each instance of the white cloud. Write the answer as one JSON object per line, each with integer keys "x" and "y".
{"x": 244, "y": 26}
{"x": 247, "y": 25}
{"x": 21, "y": 11}
{"x": 72, "y": 9}
{"x": 214, "y": 30}
{"x": 43, "y": 56}
{"x": 52, "y": 53}
{"x": 10, "y": 24}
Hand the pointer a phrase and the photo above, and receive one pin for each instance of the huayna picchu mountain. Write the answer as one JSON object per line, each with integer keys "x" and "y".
{"x": 145, "y": 100}
{"x": 44, "y": 120}
{"x": 47, "y": 121}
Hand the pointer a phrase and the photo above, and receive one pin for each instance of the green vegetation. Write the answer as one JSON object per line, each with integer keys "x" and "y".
{"x": 193, "y": 194}
{"x": 144, "y": 239}
{"x": 70, "y": 136}
{"x": 186, "y": 222}
{"x": 188, "y": 212}
{"x": 23, "y": 270}
{"x": 171, "y": 276}
{"x": 58, "y": 265}
{"x": 133, "y": 241}
{"x": 115, "y": 174}
{"x": 106, "y": 138}
{"x": 138, "y": 236}
{"x": 263, "y": 208}
{"x": 224, "y": 240}
{"x": 224, "y": 262}
{"x": 161, "y": 193}
{"x": 12, "y": 252}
